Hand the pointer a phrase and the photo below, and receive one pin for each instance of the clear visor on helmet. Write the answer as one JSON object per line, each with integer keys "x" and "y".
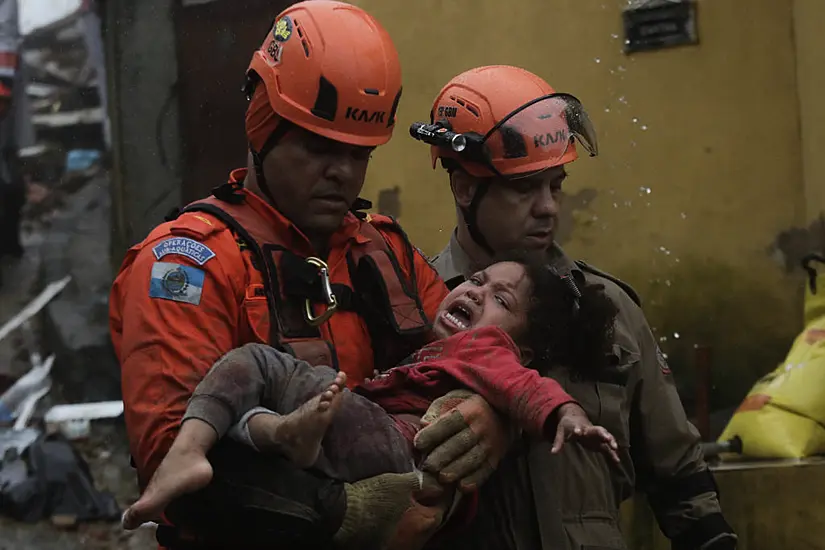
{"x": 538, "y": 135}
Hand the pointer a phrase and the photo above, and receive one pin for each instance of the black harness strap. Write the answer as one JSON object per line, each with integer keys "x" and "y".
{"x": 270, "y": 289}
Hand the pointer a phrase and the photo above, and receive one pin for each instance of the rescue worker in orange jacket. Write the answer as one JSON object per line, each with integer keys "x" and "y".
{"x": 504, "y": 137}
{"x": 282, "y": 255}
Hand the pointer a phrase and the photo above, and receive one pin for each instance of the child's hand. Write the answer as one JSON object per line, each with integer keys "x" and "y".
{"x": 574, "y": 424}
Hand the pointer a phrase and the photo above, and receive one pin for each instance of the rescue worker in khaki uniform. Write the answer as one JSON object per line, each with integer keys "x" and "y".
{"x": 504, "y": 135}
{"x": 281, "y": 255}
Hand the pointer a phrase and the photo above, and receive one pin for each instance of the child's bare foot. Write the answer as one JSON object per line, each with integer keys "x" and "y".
{"x": 299, "y": 434}
{"x": 180, "y": 472}
{"x": 184, "y": 469}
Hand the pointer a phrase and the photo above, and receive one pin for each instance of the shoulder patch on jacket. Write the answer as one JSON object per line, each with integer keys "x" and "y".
{"x": 183, "y": 246}
{"x": 621, "y": 284}
{"x": 662, "y": 359}
{"x": 176, "y": 282}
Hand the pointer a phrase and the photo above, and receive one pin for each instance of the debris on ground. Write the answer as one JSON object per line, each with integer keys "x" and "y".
{"x": 63, "y": 445}
{"x": 64, "y": 476}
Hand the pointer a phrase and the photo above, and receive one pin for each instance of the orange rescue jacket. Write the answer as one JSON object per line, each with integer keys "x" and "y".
{"x": 232, "y": 270}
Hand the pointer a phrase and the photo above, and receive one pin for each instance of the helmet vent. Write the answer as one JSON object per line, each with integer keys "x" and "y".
{"x": 474, "y": 110}
{"x": 304, "y": 41}
{"x": 371, "y": 91}
{"x": 326, "y": 104}
{"x": 394, "y": 108}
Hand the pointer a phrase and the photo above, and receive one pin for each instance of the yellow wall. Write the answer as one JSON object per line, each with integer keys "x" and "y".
{"x": 809, "y": 16}
{"x": 713, "y": 131}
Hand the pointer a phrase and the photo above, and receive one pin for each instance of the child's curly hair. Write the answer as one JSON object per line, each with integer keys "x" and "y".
{"x": 564, "y": 328}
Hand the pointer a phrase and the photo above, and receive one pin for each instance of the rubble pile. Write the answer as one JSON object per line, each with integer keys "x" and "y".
{"x": 64, "y": 462}
{"x": 68, "y": 190}
{"x": 68, "y": 113}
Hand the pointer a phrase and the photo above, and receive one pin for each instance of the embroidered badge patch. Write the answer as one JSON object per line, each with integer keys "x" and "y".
{"x": 176, "y": 282}
{"x": 662, "y": 358}
{"x": 184, "y": 246}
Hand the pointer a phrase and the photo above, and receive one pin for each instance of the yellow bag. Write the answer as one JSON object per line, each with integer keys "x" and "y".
{"x": 783, "y": 416}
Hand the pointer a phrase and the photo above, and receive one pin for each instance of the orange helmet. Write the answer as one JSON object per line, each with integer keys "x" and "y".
{"x": 331, "y": 68}
{"x": 505, "y": 121}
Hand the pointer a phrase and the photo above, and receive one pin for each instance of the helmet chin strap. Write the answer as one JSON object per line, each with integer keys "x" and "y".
{"x": 258, "y": 159}
{"x": 471, "y": 218}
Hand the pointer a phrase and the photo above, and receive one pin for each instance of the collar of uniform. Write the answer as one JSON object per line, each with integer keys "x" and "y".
{"x": 349, "y": 226}
{"x": 563, "y": 264}
{"x": 237, "y": 175}
{"x": 462, "y": 264}
{"x": 453, "y": 262}
{"x": 561, "y": 261}
{"x": 458, "y": 262}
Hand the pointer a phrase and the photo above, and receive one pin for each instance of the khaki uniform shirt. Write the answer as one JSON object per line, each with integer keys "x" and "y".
{"x": 571, "y": 501}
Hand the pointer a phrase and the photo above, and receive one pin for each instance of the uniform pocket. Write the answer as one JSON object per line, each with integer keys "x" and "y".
{"x": 255, "y": 311}
{"x": 614, "y": 393}
{"x": 614, "y": 411}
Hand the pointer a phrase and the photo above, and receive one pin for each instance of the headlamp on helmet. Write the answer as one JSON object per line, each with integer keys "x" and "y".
{"x": 532, "y": 138}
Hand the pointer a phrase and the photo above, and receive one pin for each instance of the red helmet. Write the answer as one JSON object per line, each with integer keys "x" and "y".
{"x": 512, "y": 123}
{"x": 332, "y": 69}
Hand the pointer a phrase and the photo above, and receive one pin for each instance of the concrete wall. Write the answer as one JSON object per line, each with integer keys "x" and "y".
{"x": 143, "y": 71}
{"x": 212, "y": 106}
{"x": 701, "y": 166}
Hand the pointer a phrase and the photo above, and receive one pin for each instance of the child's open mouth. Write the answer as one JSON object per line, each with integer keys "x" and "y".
{"x": 459, "y": 316}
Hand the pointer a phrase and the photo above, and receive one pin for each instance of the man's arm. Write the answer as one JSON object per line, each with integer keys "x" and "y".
{"x": 172, "y": 318}
{"x": 467, "y": 460}
{"x": 667, "y": 455}
{"x": 485, "y": 361}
